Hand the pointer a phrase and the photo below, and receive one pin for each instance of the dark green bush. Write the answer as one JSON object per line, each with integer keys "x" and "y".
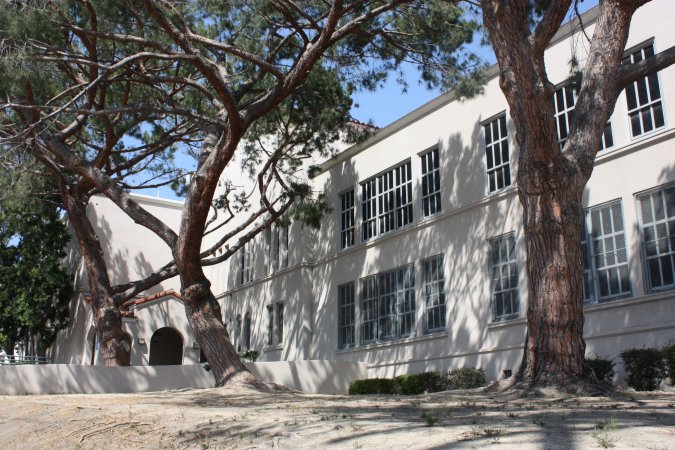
{"x": 419, "y": 383}
{"x": 669, "y": 356}
{"x": 372, "y": 386}
{"x": 602, "y": 367}
{"x": 467, "y": 378}
{"x": 645, "y": 368}
{"x": 408, "y": 385}
{"x": 401, "y": 385}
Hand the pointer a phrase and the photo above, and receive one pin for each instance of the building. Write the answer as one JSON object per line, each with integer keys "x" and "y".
{"x": 421, "y": 264}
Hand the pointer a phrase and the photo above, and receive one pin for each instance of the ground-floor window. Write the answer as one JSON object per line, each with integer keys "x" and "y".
{"x": 504, "y": 273}
{"x": 388, "y": 305}
{"x": 346, "y": 316}
{"x": 657, "y": 232}
{"x": 605, "y": 255}
{"x": 433, "y": 287}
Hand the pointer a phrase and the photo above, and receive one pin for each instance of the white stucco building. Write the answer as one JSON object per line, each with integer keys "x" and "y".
{"x": 421, "y": 264}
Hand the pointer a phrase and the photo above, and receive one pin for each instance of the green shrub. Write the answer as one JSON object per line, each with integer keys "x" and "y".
{"x": 251, "y": 355}
{"x": 372, "y": 386}
{"x": 419, "y": 383}
{"x": 669, "y": 356}
{"x": 602, "y": 367}
{"x": 467, "y": 378}
{"x": 408, "y": 385}
{"x": 645, "y": 368}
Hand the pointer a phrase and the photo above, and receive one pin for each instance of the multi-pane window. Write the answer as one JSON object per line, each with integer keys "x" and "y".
{"x": 504, "y": 272}
{"x": 246, "y": 333}
{"x": 280, "y": 322}
{"x": 431, "y": 183}
{"x": 346, "y": 316}
{"x": 564, "y": 101}
{"x": 347, "y": 222}
{"x": 434, "y": 294}
{"x": 275, "y": 323}
{"x": 388, "y": 305}
{"x": 246, "y": 263}
{"x": 657, "y": 230}
{"x": 605, "y": 255}
{"x": 277, "y": 248}
{"x": 270, "y": 325}
{"x": 497, "y": 154}
{"x": 645, "y": 109}
{"x": 386, "y": 202}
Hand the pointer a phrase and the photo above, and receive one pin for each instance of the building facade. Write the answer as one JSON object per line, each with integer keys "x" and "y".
{"x": 421, "y": 264}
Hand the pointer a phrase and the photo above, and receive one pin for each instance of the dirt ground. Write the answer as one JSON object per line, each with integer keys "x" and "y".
{"x": 247, "y": 418}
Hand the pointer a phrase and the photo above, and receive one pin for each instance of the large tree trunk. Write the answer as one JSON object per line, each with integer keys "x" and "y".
{"x": 204, "y": 316}
{"x": 554, "y": 348}
{"x": 115, "y": 345}
{"x": 202, "y": 309}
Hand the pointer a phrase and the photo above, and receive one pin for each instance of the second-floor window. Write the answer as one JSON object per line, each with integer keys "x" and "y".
{"x": 347, "y": 223}
{"x": 564, "y": 101}
{"x": 386, "y": 202}
{"x": 643, "y": 96}
{"x": 497, "y": 154}
{"x": 431, "y": 183}
{"x": 246, "y": 263}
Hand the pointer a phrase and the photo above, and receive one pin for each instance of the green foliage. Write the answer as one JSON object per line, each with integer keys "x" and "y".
{"x": 251, "y": 355}
{"x": 428, "y": 419}
{"x": 35, "y": 289}
{"x": 645, "y": 368}
{"x": 372, "y": 386}
{"x": 420, "y": 383}
{"x": 602, "y": 368}
{"x": 669, "y": 356}
{"x": 467, "y": 378}
{"x": 413, "y": 384}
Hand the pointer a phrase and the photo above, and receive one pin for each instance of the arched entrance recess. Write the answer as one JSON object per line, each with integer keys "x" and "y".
{"x": 166, "y": 347}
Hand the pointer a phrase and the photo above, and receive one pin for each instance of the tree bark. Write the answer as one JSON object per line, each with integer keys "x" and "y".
{"x": 204, "y": 316}
{"x": 115, "y": 346}
{"x": 551, "y": 180}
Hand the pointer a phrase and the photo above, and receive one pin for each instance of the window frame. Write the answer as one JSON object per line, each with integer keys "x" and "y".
{"x": 440, "y": 292}
{"x": 648, "y": 288}
{"x": 487, "y": 170}
{"x": 371, "y": 315}
{"x": 435, "y": 176}
{"x": 346, "y": 322}
{"x": 491, "y": 267}
{"x": 590, "y": 255}
{"x": 569, "y": 111}
{"x": 342, "y": 212}
{"x": 628, "y": 54}
{"x": 380, "y": 191}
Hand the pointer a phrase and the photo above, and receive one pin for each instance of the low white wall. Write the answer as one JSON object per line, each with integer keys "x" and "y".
{"x": 315, "y": 376}
{"x": 325, "y": 377}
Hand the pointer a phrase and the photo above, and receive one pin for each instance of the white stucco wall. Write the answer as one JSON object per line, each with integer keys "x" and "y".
{"x": 469, "y": 218}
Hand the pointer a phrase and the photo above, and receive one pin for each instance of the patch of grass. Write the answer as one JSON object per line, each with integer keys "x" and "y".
{"x": 428, "y": 419}
{"x": 512, "y": 415}
{"x": 604, "y": 440}
{"x": 607, "y": 424}
{"x": 492, "y": 432}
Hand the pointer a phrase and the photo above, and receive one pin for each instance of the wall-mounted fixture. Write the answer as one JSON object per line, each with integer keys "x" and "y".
{"x": 141, "y": 341}
{"x": 195, "y": 345}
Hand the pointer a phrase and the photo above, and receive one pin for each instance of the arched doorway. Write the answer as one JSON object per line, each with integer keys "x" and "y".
{"x": 166, "y": 347}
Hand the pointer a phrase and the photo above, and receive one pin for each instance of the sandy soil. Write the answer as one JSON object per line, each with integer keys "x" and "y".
{"x": 247, "y": 418}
